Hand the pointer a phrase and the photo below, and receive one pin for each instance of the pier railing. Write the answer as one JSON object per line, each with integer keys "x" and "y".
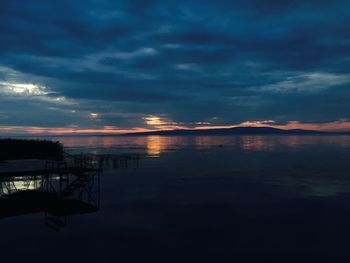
{"x": 71, "y": 162}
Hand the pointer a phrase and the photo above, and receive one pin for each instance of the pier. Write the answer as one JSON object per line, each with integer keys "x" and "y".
{"x": 59, "y": 189}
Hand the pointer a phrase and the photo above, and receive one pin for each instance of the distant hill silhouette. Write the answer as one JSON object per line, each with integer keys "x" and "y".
{"x": 234, "y": 131}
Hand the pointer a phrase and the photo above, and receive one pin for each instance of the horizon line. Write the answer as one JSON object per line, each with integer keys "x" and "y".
{"x": 33, "y": 131}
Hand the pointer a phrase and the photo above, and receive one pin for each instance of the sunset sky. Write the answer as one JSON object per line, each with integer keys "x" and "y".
{"x": 98, "y": 66}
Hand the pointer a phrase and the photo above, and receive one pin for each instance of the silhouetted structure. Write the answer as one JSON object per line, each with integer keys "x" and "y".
{"x": 59, "y": 190}
{"x": 60, "y": 187}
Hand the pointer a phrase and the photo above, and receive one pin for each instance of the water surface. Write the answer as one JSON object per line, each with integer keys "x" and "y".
{"x": 203, "y": 199}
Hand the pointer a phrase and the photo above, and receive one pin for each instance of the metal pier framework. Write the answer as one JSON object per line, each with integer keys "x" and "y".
{"x": 60, "y": 189}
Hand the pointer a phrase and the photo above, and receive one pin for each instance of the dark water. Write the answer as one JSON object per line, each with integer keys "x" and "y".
{"x": 202, "y": 199}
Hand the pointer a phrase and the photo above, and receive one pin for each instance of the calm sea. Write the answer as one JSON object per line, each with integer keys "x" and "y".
{"x": 197, "y": 199}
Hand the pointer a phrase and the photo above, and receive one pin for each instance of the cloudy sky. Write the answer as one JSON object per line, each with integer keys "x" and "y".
{"x": 91, "y": 66}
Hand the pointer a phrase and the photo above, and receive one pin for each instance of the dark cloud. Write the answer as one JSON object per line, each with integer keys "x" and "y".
{"x": 222, "y": 62}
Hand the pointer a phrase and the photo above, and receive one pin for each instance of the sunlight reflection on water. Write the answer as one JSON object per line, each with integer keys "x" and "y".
{"x": 154, "y": 146}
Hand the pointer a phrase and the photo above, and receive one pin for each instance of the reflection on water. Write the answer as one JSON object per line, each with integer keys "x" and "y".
{"x": 156, "y": 145}
{"x": 20, "y": 183}
{"x": 257, "y": 143}
{"x": 310, "y": 165}
{"x": 57, "y": 195}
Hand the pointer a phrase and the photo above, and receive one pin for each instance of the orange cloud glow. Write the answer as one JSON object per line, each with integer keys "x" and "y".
{"x": 159, "y": 124}
{"x": 31, "y": 130}
{"x": 341, "y": 125}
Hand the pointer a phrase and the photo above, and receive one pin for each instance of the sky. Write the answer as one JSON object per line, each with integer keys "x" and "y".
{"x": 105, "y": 66}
